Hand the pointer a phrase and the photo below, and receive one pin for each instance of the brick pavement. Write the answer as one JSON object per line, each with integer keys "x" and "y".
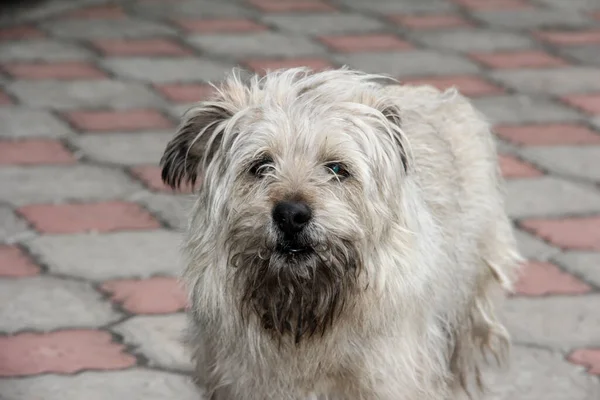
{"x": 90, "y": 307}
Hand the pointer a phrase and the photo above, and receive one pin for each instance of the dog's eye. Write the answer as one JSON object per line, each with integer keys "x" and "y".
{"x": 260, "y": 167}
{"x": 337, "y": 169}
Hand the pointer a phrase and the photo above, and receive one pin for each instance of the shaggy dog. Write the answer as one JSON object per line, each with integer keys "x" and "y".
{"x": 349, "y": 239}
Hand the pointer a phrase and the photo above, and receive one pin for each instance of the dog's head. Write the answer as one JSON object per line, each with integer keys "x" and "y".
{"x": 300, "y": 175}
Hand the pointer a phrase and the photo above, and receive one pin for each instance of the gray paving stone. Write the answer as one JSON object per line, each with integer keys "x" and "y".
{"x": 109, "y": 256}
{"x": 520, "y": 109}
{"x": 177, "y": 110}
{"x": 159, "y": 338}
{"x": 324, "y": 24}
{"x": 126, "y": 28}
{"x": 585, "y": 264}
{"x": 583, "y": 5}
{"x": 584, "y": 54}
{"x": 549, "y": 196}
{"x": 171, "y": 208}
{"x": 184, "y": 69}
{"x": 262, "y": 44}
{"x": 47, "y": 303}
{"x": 534, "y": 18}
{"x": 542, "y": 374}
{"x": 124, "y": 148}
{"x": 42, "y": 50}
{"x": 559, "y": 322}
{"x": 533, "y": 248}
{"x": 408, "y": 63}
{"x": 596, "y": 122}
{"x": 12, "y": 227}
{"x": 84, "y": 94}
{"x": 28, "y": 185}
{"x": 20, "y": 123}
{"x": 400, "y": 7}
{"x": 132, "y": 384}
{"x": 190, "y": 9}
{"x": 576, "y": 161}
{"x": 472, "y": 40}
{"x": 550, "y": 81}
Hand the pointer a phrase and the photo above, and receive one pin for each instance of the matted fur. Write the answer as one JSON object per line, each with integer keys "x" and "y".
{"x": 410, "y": 253}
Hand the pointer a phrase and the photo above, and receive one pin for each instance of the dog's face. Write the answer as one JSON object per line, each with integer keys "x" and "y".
{"x": 299, "y": 174}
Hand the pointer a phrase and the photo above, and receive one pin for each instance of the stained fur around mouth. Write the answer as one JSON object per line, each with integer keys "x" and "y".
{"x": 295, "y": 295}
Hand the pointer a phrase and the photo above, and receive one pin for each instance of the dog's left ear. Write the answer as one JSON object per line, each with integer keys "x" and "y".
{"x": 196, "y": 141}
{"x": 392, "y": 114}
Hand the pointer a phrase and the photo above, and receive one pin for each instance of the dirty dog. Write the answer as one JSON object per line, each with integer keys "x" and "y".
{"x": 348, "y": 241}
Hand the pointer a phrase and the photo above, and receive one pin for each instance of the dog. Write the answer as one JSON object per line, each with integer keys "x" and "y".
{"x": 348, "y": 241}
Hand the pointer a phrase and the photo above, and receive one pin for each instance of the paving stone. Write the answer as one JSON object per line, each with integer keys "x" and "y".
{"x": 571, "y": 5}
{"x": 584, "y": 54}
{"x": 16, "y": 264}
{"x": 260, "y": 66}
{"x": 140, "y": 47}
{"x": 322, "y": 24}
{"x": 548, "y": 134}
{"x": 550, "y": 81}
{"x": 84, "y": 94}
{"x": 230, "y": 25}
{"x": 47, "y": 303}
{"x": 150, "y": 175}
{"x": 392, "y": 6}
{"x": 59, "y": 71}
{"x": 53, "y": 183}
{"x": 173, "y": 209}
{"x": 111, "y": 255}
{"x": 21, "y": 33}
{"x": 364, "y": 42}
{"x": 291, "y": 5}
{"x": 559, "y": 322}
{"x": 107, "y": 11}
{"x": 265, "y": 44}
{"x": 159, "y": 338}
{"x": 429, "y": 21}
{"x": 61, "y": 352}
{"x": 533, "y": 18}
{"x": 106, "y": 28}
{"x": 124, "y": 148}
{"x": 518, "y": 109}
{"x": 42, "y": 50}
{"x": 493, "y": 4}
{"x": 34, "y": 151}
{"x": 539, "y": 278}
{"x": 157, "y": 295}
{"x": 127, "y": 120}
{"x": 571, "y": 38}
{"x": 576, "y": 161}
{"x": 408, "y": 63}
{"x": 568, "y": 232}
{"x": 185, "y": 92}
{"x": 130, "y": 384}
{"x": 549, "y": 196}
{"x": 518, "y": 59}
{"x": 18, "y": 123}
{"x": 12, "y": 227}
{"x": 472, "y": 40}
{"x": 585, "y": 264}
{"x": 107, "y": 216}
{"x": 512, "y": 167}
{"x": 589, "y": 358}
{"x": 542, "y": 374}
{"x": 588, "y": 103}
{"x": 189, "y": 8}
{"x": 532, "y": 248}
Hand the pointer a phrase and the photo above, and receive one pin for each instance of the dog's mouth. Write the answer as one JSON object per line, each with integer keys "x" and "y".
{"x": 293, "y": 248}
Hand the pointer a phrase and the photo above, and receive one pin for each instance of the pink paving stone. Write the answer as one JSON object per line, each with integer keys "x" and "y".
{"x": 108, "y": 11}
{"x": 578, "y": 233}
{"x": 5, "y": 99}
{"x": 518, "y": 59}
{"x": 567, "y": 38}
{"x": 98, "y": 217}
{"x": 512, "y": 167}
{"x": 548, "y": 134}
{"x": 365, "y": 42}
{"x": 20, "y": 32}
{"x": 140, "y": 47}
{"x": 185, "y": 92}
{"x": 492, "y": 4}
{"x": 150, "y": 175}
{"x": 14, "y": 263}
{"x": 158, "y": 295}
{"x": 469, "y": 85}
{"x": 291, "y": 5}
{"x": 589, "y": 103}
{"x": 124, "y": 120}
{"x": 60, "y": 70}
{"x": 589, "y": 358}
{"x": 542, "y": 278}
{"x": 231, "y": 25}
{"x": 431, "y": 21}
{"x": 34, "y": 151}
{"x": 262, "y": 65}
{"x": 61, "y": 352}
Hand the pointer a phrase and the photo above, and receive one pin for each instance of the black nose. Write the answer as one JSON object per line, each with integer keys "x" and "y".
{"x": 291, "y": 216}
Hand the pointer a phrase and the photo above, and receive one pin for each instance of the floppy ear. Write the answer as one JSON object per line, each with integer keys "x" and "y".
{"x": 392, "y": 114}
{"x": 195, "y": 143}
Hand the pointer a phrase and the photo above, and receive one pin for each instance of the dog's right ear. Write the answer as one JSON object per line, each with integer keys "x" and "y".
{"x": 195, "y": 143}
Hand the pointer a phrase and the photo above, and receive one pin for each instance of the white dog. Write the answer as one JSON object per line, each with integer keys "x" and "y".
{"x": 349, "y": 239}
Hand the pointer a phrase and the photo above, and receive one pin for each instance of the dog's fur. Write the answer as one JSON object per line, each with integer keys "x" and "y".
{"x": 410, "y": 250}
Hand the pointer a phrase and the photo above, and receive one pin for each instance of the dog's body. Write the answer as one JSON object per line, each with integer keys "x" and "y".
{"x": 383, "y": 280}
